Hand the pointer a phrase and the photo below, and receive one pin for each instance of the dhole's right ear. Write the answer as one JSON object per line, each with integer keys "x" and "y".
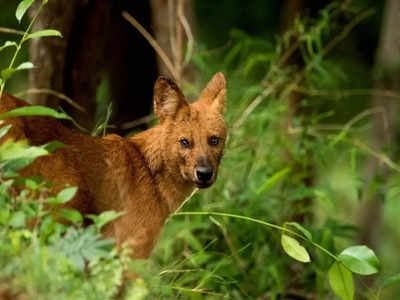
{"x": 168, "y": 99}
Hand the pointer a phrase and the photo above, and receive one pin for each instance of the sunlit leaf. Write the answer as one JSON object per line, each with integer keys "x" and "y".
{"x": 293, "y": 248}
{"x": 341, "y": 281}
{"x": 4, "y": 130}
{"x": 34, "y": 111}
{"x": 104, "y": 218}
{"x": 8, "y": 44}
{"x": 360, "y": 259}
{"x": 67, "y": 194}
{"x": 17, "y": 220}
{"x": 71, "y": 215}
{"x": 25, "y": 66}
{"x": 44, "y": 33}
{"x": 22, "y": 8}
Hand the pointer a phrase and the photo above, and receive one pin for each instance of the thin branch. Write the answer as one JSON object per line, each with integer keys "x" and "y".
{"x": 179, "y": 40}
{"x": 54, "y": 93}
{"x": 152, "y": 42}
{"x": 138, "y": 122}
{"x": 189, "y": 36}
{"x": 266, "y": 92}
{"x": 12, "y": 31}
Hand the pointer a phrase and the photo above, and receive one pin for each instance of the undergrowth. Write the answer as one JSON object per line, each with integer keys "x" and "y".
{"x": 230, "y": 241}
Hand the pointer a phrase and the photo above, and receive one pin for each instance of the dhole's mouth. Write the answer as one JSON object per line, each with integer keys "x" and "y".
{"x": 203, "y": 185}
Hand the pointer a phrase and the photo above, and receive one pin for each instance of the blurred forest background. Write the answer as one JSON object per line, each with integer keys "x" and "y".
{"x": 313, "y": 111}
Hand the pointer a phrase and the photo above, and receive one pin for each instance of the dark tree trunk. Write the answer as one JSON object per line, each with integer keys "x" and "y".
{"x": 387, "y": 68}
{"x": 98, "y": 44}
{"x": 290, "y": 11}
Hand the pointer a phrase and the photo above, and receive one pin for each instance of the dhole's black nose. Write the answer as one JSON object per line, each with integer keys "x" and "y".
{"x": 204, "y": 174}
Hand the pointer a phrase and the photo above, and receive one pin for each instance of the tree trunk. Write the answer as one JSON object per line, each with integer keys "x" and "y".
{"x": 290, "y": 11}
{"x": 97, "y": 44}
{"x": 387, "y": 68}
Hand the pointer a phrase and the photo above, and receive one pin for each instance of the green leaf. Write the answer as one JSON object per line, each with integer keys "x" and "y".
{"x": 52, "y": 146}
{"x": 22, "y": 8}
{"x": 8, "y": 44}
{"x": 360, "y": 259}
{"x": 67, "y": 194}
{"x": 391, "y": 281}
{"x": 34, "y": 110}
{"x": 341, "y": 281}
{"x": 25, "y": 66}
{"x": 20, "y": 149}
{"x": 104, "y": 218}
{"x": 7, "y": 73}
{"x": 44, "y": 2}
{"x": 293, "y": 248}
{"x": 271, "y": 181}
{"x": 44, "y": 33}
{"x": 4, "y": 130}
{"x": 71, "y": 215}
{"x": 305, "y": 232}
{"x": 17, "y": 220}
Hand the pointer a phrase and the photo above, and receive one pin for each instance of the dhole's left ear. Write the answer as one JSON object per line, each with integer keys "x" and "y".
{"x": 168, "y": 99}
{"x": 214, "y": 93}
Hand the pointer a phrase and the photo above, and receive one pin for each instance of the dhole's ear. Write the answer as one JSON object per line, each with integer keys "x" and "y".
{"x": 214, "y": 93}
{"x": 168, "y": 99}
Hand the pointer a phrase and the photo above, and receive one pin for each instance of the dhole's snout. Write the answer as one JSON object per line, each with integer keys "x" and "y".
{"x": 204, "y": 173}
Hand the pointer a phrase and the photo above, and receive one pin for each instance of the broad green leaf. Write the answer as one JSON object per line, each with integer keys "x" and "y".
{"x": 4, "y": 130}
{"x": 44, "y": 2}
{"x": 271, "y": 181}
{"x": 8, "y": 44}
{"x": 305, "y": 232}
{"x": 67, "y": 194}
{"x": 44, "y": 33}
{"x": 22, "y": 8}
{"x": 19, "y": 149}
{"x": 293, "y": 248}
{"x": 71, "y": 215}
{"x": 104, "y": 218}
{"x": 17, "y": 220}
{"x": 341, "y": 281}
{"x": 34, "y": 110}
{"x": 360, "y": 259}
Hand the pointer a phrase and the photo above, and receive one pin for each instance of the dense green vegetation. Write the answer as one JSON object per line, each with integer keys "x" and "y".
{"x": 292, "y": 181}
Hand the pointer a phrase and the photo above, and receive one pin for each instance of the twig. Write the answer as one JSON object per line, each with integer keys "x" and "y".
{"x": 179, "y": 41}
{"x": 189, "y": 36}
{"x": 349, "y": 92}
{"x": 12, "y": 31}
{"x": 152, "y": 42}
{"x": 266, "y": 92}
{"x": 137, "y": 122}
{"x": 54, "y": 93}
{"x": 383, "y": 158}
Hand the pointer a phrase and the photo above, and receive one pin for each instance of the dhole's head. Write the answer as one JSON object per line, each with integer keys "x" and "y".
{"x": 193, "y": 134}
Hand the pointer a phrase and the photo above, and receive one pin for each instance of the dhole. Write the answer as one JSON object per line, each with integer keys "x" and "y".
{"x": 147, "y": 176}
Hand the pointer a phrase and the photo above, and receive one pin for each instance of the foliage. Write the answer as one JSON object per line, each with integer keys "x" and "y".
{"x": 219, "y": 246}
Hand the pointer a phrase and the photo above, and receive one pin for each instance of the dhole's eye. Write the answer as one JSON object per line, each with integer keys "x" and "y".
{"x": 185, "y": 143}
{"x": 213, "y": 140}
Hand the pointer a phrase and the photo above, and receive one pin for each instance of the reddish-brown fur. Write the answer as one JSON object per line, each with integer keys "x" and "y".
{"x": 148, "y": 175}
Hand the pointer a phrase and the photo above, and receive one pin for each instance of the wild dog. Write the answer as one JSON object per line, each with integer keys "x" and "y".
{"x": 147, "y": 176}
